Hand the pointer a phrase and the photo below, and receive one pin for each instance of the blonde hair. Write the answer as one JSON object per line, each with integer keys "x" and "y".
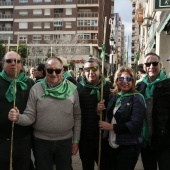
{"x": 118, "y": 74}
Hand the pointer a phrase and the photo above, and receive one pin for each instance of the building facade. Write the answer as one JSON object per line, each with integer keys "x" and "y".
{"x": 68, "y": 28}
{"x": 154, "y": 34}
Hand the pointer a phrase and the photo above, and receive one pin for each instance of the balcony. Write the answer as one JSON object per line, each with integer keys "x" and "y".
{"x": 58, "y": 2}
{"x": 56, "y": 15}
{"x": 87, "y": 14}
{"x": 6, "y": 16}
{"x": 58, "y": 28}
{"x": 5, "y": 29}
{"x": 5, "y": 3}
{"x": 88, "y": 2}
{"x": 86, "y": 28}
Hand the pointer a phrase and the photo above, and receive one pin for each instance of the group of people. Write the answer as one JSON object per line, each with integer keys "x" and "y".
{"x": 55, "y": 117}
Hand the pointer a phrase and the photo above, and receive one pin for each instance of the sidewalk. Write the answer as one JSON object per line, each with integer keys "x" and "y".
{"x": 76, "y": 163}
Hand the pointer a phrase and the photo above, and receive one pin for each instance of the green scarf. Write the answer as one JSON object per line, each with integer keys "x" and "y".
{"x": 66, "y": 75}
{"x": 20, "y": 80}
{"x": 62, "y": 91}
{"x": 123, "y": 96}
{"x": 95, "y": 89}
{"x": 151, "y": 85}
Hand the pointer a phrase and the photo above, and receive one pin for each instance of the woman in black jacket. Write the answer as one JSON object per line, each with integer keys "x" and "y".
{"x": 123, "y": 126}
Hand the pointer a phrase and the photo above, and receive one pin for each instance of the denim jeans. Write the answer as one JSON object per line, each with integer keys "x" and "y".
{"x": 21, "y": 153}
{"x": 45, "y": 151}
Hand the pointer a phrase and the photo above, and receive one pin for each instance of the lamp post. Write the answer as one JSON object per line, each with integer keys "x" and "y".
{"x": 112, "y": 44}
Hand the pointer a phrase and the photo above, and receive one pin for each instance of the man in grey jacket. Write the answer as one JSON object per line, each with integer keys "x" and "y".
{"x": 53, "y": 109}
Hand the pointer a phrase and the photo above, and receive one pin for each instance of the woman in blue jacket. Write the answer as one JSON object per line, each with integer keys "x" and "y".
{"x": 123, "y": 126}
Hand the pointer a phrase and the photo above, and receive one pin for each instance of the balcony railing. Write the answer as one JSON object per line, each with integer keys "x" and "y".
{"x": 58, "y": 14}
{"x": 58, "y": 28}
{"x": 5, "y": 29}
{"x": 87, "y": 28}
{"x": 4, "y": 3}
{"x": 88, "y": 1}
{"x": 87, "y": 14}
{"x": 6, "y": 16}
{"x": 58, "y": 1}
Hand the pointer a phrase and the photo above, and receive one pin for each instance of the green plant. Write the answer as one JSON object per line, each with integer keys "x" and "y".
{"x": 2, "y": 50}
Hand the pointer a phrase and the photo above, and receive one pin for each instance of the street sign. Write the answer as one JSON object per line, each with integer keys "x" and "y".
{"x": 161, "y": 5}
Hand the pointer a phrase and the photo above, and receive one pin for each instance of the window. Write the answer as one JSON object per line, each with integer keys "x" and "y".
{"x": 47, "y": 0}
{"x": 22, "y": 37}
{"x": 23, "y": 12}
{"x": 84, "y": 36}
{"x": 57, "y": 37}
{"x": 68, "y": 25}
{"x": 46, "y": 11}
{"x": 37, "y": 1}
{"x": 23, "y": 25}
{"x": 46, "y": 25}
{"x": 37, "y": 25}
{"x": 37, "y": 37}
{"x": 37, "y": 12}
{"x": 58, "y": 24}
{"x": 47, "y": 37}
{"x": 23, "y": 1}
{"x": 68, "y": 0}
{"x": 68, "y": 11}
{"x": 87, "y": 23}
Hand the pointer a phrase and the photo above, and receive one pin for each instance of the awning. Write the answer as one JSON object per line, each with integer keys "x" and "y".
{"x": 163, "y": 22}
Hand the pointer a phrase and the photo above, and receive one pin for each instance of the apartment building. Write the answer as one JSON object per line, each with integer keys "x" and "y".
{"x": 54, "y": 25}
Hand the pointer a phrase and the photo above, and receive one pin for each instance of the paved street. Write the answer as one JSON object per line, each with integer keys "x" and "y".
{"x": 77, "y": 163}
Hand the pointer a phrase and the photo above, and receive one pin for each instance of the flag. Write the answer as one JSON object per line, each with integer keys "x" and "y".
{"x": 103, "y": 51}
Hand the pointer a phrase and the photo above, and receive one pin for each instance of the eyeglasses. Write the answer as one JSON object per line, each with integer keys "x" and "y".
{"x": 11, "y": 60}
{"x": 91, "y": 68}
{"x": 128, "y": 79}
{"x": 50, "y": 71}
{"x": 153, "y": 63}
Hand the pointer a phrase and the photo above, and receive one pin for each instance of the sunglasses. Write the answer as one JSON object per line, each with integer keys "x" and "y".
{"x": 153, "y": 63}
{"x": 128, "y": 79}
{"x": 11, "y": 60}
{"x": 50, "y": 71}
{"x": 91, "y": 68}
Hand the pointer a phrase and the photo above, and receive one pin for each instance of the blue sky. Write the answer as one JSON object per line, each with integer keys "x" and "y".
{"x": 124, "y": 8}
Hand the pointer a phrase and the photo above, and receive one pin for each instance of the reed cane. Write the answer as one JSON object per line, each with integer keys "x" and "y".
{"x": 102, "y": 84}
{"x": 14, "y": 104}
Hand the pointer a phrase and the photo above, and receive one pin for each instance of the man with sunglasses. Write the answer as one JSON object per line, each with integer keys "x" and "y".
{"x": 155, "y": 87}
{"x": 14, "y": 89}
{"x": 53, "y": 109}
{"x": 89, "y": 93}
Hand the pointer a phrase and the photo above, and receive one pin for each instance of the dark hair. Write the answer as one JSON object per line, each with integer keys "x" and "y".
{"x": 91, "y": 59}
{"x": 154, "y": 54}
{"x": 140, "y": 68}
{"x": 41, "y": 67}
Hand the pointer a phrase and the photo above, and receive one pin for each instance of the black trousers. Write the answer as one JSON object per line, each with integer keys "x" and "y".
{"x": 21, "y": 154}
{"x": 122, "y": 158}
{"x": 88, "y": 151}
{"x": 152, "y": 158}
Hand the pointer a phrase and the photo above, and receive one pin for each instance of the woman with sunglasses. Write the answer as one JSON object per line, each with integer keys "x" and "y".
{"x": 123, "y": 125}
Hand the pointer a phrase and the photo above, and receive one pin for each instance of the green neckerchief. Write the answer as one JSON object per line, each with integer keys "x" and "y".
{"x": 66, "y": 75}
{"x": 151, "y": 85}
{"x": 62, "y": 91}
{"x": 123, "y": 96}
{"x": 20, "y": 80}
{"x": 95, "y": 89}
